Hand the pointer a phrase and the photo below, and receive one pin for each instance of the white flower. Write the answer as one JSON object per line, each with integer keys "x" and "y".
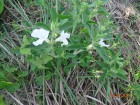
{"x": 63, "y": 38}
{"x": 102, "y": 43}
{"x": 42, "y": 36}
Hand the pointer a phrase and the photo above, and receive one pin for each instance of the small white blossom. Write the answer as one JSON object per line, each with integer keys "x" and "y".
{"x": 102, "y": 43}
{"x": 63, "y": 38}
{"x": 42, "y": 36}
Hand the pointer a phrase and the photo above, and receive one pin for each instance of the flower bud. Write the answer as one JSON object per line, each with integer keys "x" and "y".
{"x": 89, "y": 47}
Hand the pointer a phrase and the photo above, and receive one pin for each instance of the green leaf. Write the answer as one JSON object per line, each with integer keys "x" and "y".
{"x": 136, "y": 90}
{"x": 48, "y": 75}
{"x": 122, "y": 74}
{"x": 103, "y": 54}
{"x": 45, "y": 58}
{"x": 103, "y": 65}
{"x": 16, "y": 26}
{"x": 70, "y": 55}
{"x": 13, "y": 87}
{"x": 25, "y": 40}
{"x": 64, "y": 16}
{"x": 2, "y": 76}
{"x": 1, "y": 6}
{"x": 9, "y": 69}
{"x": 54, "y": 15}
{"x": 1, "y": 101}
{"x": 137, "y": 76}
{"x": 40, "y": 2}
{"x": 25, "y": 51}
{"x": 37, "y": 62}
{"x": 16, "y": 51}
{"x": 92, "y": 21}
{"x": 4, "y": 84}
{"x": 103, "y": 11}
{"x": 41, "y": 61}
{"x": 75, "y": 46}
{"x": 39, "y": 80}
{"x": 66, "y": 26}
{"x": 42, "y": 25}
{"x": 23, "y": 74}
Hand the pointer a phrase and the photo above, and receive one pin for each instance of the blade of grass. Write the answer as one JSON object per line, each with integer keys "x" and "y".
{"x": 72, "y": 96}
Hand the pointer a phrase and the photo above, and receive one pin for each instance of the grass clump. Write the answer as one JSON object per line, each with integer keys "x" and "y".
{"x": 71, "y": 52}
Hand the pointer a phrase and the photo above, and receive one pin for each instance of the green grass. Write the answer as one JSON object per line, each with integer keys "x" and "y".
{"x": 80, "y": 73}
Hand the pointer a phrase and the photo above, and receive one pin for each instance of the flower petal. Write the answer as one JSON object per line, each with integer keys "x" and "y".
{"x": 102, "y": 43}
{"x": 65, "y": 35}
{"x": 47, "y": 40}
{"x": 38, "y": 42}
{"x": 63, "y": 38}
{"x": 65, "y": 42}
{"x": 40, "y": 33}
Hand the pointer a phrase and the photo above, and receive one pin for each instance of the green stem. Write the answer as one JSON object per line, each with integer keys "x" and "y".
{"x": 56, "y": 6}
{"x": 43, "y": 87}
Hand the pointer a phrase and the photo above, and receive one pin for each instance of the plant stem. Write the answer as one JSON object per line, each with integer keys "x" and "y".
{"x": 43, "y": 87}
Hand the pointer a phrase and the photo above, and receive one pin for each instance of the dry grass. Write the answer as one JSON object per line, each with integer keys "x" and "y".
{"x": 122, "y": 14}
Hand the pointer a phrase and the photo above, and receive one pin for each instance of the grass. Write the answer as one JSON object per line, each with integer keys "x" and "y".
{"x": 80, "y": 73}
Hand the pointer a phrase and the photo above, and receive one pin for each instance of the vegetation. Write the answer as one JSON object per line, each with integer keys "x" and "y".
{"x": 69, "y": 52}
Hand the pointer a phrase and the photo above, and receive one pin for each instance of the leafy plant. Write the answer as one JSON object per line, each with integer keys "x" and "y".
{"x": 1, "y": 5}
{"x": 62, "y": 52}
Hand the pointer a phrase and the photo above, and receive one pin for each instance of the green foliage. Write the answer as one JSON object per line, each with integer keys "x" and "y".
{"x": 24, "y": 50}
{"x": 87, "y": 22}
{"x": 137, "y": 76}
{"x": 6, "y": 82}
{"x": 1, "y": 5}
{"x": 1, "y": 101}
{"x": 136, "y": 90}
